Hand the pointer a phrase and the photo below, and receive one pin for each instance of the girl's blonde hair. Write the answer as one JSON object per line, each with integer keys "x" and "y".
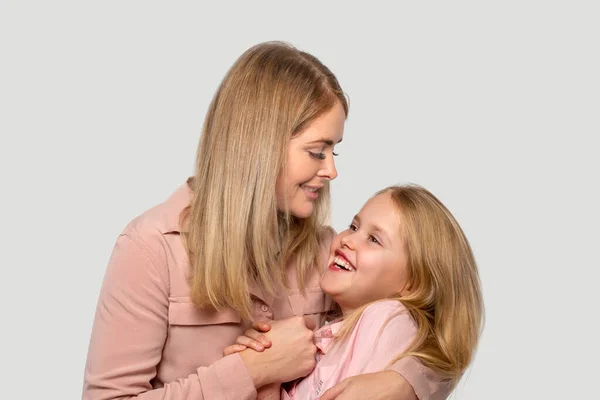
{"x": 235, "y": 234}
{"x": 443, "y": 292}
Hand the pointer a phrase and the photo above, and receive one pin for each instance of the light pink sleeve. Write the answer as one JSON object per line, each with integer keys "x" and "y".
{"x": 129, "y": 333}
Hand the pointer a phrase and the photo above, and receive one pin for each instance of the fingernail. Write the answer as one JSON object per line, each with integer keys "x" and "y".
{"x": 260, "y": 347}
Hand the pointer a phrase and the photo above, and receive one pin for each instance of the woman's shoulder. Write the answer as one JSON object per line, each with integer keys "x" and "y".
{"x": 326, "y": 235}
{"x": 163, "y": 218}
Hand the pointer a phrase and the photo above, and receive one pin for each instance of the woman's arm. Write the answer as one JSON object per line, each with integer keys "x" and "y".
{"x": 130, "y": 330}
{"x": 427, "y": 385}
{"x": 386, "y": 385}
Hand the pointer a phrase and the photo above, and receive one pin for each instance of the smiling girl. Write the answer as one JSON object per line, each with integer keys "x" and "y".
{"x": 406, "y": 282}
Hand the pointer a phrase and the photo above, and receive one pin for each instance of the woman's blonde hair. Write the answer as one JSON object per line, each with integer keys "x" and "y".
{"x": 235, "y": 234}
{"x": 443, "y": 292}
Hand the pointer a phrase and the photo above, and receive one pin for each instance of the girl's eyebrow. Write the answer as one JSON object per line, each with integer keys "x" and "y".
{"x": 375, "y": 228}
{"x": 382, "y": 232}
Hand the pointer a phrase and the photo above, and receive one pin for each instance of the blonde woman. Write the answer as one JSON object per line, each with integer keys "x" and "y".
{"x": 406, "y": 282}
{"x": 242, "y": 242}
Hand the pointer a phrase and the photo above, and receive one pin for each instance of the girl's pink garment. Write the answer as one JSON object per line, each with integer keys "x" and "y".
{"x": 150, "y": 342}
{"x": 384, "y": 331}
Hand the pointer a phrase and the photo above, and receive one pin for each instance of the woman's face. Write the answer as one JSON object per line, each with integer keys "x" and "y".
{"x": 310, "y": 163}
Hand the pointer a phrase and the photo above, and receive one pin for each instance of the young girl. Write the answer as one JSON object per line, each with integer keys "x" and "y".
{"x": 406, "y": 282}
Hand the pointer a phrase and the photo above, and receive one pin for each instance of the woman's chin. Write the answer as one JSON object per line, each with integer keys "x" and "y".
{"x": 304, "y": 211}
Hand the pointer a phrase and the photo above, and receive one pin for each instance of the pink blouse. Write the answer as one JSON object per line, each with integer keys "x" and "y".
{"x": 384, "y": 331}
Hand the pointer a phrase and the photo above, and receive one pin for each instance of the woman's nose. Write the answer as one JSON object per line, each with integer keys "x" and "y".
{"x": 328, "y": 171}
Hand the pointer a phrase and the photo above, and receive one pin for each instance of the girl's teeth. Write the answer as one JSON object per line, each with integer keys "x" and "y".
{"x": 340, "y": 262}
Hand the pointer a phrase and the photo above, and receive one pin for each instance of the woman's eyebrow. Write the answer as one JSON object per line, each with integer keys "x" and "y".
{"x": 328, "y": 142}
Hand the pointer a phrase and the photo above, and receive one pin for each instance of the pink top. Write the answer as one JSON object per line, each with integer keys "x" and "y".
{"x": 384, "y": 331}
{"x": 150, "y": 342}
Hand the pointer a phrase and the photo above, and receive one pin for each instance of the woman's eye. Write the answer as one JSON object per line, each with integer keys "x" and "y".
{"x": 335, "y": 154}
{"x": 317, "y": 156}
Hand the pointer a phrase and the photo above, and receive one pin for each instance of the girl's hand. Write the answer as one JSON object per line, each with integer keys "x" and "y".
{"x": 252, "y": 339}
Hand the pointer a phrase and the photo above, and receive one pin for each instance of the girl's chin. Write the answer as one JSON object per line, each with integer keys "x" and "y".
{"x": 335, "y": 296}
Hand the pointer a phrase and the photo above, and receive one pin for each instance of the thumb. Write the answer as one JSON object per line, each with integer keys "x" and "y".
{"x": 262, "y": 327}
{"x": 310, "y": 323}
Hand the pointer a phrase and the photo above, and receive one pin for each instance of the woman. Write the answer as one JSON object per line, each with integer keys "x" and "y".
{"x": 189, "y": 276}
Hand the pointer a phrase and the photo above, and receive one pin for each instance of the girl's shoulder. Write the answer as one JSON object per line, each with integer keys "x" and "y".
{"x": 387, "y": 305}
{"x": 381, "y": 312}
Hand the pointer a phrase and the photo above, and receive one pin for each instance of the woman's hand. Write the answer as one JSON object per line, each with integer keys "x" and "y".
{"x": 252, "y": 338}
{"x": 385, "y": 385}
{"x": 291, "y": 355}
{"x": 269, "y": 392}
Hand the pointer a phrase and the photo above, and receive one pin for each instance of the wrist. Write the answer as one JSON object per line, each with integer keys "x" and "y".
{"x": 258, "y": 371}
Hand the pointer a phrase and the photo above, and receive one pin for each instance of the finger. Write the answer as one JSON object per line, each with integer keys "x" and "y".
{"x": 257, "y": 336}
{"x": 310, "y": 323}
{"x": 250, "y": 343}
{"x": 262, "y": 326}
{"x": 234, "y": 348}
{"x": 334, "y": 392}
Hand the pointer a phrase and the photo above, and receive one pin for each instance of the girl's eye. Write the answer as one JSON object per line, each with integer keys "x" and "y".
{"x": 335, "y": 154}
{"x": 353, "y": 228}
{"x": 373, "y": 239}
{"x": 317, "y": 156}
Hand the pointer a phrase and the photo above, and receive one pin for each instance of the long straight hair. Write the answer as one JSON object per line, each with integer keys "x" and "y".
{"x": 443, "y": 290}
{"x": 235, "y": 234}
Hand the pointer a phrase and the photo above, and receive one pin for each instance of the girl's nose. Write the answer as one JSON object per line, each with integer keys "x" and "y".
{"x": 347, "y": 240}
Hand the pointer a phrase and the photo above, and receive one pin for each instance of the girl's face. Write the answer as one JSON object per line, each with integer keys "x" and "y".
{"x": 368, "y": 260}
{"x": 310, "y": 163}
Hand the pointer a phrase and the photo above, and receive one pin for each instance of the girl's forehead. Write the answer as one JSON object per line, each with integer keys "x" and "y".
{"x": 382, "y": 211}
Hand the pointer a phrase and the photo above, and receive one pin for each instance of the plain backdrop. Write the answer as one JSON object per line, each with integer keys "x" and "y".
{"x": 493, "y": 106}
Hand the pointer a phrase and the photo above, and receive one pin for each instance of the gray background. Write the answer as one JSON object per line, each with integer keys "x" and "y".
{"x": 493, "y": 107}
